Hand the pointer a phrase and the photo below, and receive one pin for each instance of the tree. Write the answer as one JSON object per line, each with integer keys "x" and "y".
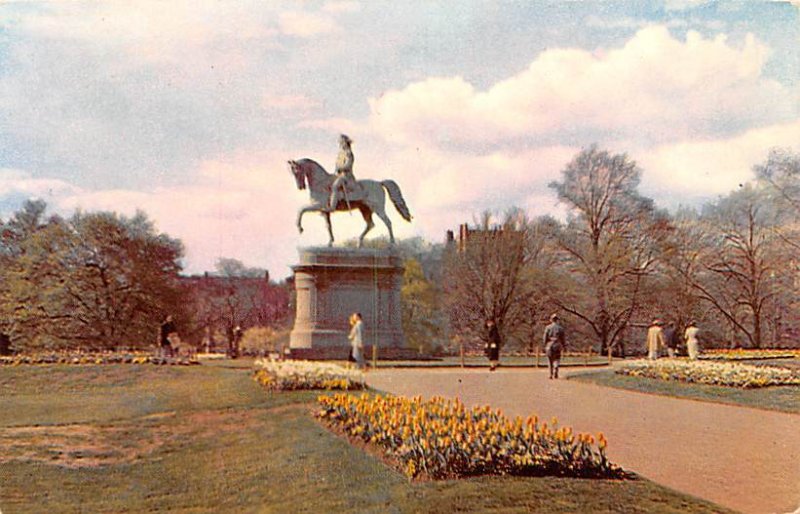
{"x": 489, "y": 276}
{"x": 236, "y": 295}
{"x": 743, "y": 271}
{"x": 421, "y": 323}
{"x": 12, "y": 234}
{"x": 609, "y": 243}
{"x": 97, "y": 280}
{"x": 683, "y": 252}
{"x": 781, "y": 172}
{"x": 234, "y": 268}
{"x": 31, "y": 278}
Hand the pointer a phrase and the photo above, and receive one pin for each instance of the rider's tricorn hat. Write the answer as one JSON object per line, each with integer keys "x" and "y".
{"x": 344, "y": 138}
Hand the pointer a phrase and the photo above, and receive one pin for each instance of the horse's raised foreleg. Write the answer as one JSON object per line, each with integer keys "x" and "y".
{"x": 367, "y": 214}
{"x": 327, "y": 216}
{"x": 308, "y": 208}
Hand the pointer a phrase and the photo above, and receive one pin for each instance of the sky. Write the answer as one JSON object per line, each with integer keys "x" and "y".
{"x": 190, "y": 110}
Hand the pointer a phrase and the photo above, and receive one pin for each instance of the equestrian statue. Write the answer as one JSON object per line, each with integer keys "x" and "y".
{"x": 342, "y": 192}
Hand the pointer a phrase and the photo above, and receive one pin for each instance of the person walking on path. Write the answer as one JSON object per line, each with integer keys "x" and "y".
{"x": 671, "y": 340}
{"x": 492, "y": 347}
{"x": 692, "y": 344}
{"x": 655, "y": 339}
{"x": 357, "y": 339}
{"x": 166, "y": 334}
{"x": 553, "y": 345}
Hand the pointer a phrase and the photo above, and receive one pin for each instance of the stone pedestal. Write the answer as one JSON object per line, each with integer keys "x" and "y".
{"x": 333, "y": 283}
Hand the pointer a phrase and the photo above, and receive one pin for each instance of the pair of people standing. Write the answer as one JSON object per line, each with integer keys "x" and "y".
{"x": 554, "y": 342}
{"x": 356, "y": 338}
{"x": 658, "y": 338}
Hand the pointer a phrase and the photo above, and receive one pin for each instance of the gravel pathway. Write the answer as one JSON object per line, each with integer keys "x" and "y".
{"x": 742, "y": 458}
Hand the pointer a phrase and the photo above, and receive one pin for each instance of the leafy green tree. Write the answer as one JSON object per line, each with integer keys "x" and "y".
{"x": 29, "y": 275}
{"x": 227, "y": 267}
{"x": 421, "y": 316}
{"x": 97, "y": 280}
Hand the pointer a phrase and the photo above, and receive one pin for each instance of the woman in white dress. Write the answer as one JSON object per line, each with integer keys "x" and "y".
{"x": 357, "y": 339}
{"x": 692, "y": 345}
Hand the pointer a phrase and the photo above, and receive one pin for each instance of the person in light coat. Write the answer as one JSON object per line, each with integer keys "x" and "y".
{"x": 357, "y": 339}
{"x": 655, "y": 339}
{"x": 692, "y": 344}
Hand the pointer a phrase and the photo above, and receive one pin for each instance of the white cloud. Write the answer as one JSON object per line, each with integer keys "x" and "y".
{"x": 288, "y": 102}
{"x": 337, "y": 7}
{"x": 655, "y": 87}
{"x": 18, "y": 182}
{"x": 150, "y": 30}
{"x": 240, "y": 207}
{"x": 158, "y": 106}
{"x": 306, "y": 24}
{"x": 621, "y": 22}
{"x": 334, "y": 125}
{"x": 692, "y": 170}
{"x": 683, "y": 5}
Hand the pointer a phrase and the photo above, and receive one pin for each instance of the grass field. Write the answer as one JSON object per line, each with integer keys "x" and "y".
{"x": 779, "y": 398}
{"x": 122, "y": 438}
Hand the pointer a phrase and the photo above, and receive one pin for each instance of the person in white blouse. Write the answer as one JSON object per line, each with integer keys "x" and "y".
{"x": 357, "y": 339}
{"x": 692, "y": 344}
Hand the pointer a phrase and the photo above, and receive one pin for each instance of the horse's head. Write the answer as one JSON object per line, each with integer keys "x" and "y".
{"x": 299, "y": 174}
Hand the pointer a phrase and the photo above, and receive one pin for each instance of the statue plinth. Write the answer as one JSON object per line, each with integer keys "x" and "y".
{"x": 333, "y": 283}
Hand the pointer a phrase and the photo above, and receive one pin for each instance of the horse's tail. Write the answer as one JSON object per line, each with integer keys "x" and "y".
{"x": 397, "y": 198}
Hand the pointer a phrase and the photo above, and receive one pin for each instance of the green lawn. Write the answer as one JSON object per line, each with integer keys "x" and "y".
{"x": 779, "y": 398}
{"x": 209, "y": 439}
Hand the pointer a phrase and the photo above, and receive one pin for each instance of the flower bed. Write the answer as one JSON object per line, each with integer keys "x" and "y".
{"x": 749, "y": 354}
{"x": 95, "y": 358}
{"x": 729, "y": 374}
{"x": 295, "y": 375}
{"x": 443, "y": 439}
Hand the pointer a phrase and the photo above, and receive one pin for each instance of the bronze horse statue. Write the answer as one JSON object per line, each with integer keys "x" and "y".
{"x": 370, "y": 199}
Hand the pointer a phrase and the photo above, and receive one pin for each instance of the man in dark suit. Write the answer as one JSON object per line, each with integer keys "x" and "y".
{"x": 492, "y": 344}
{"x": 671, "y": 339}
{"x": 553, "y": 344}
{"x": 167, "y": 332}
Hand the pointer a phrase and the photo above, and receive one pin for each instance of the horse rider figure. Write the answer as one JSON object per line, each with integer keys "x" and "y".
{"x": 345, "y": 181}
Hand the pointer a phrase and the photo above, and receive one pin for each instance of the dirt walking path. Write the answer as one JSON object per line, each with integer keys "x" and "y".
{"x": 745, "y": 459}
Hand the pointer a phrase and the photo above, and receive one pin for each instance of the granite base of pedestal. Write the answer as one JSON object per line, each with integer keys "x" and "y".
{"x": 333, "y": 283}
